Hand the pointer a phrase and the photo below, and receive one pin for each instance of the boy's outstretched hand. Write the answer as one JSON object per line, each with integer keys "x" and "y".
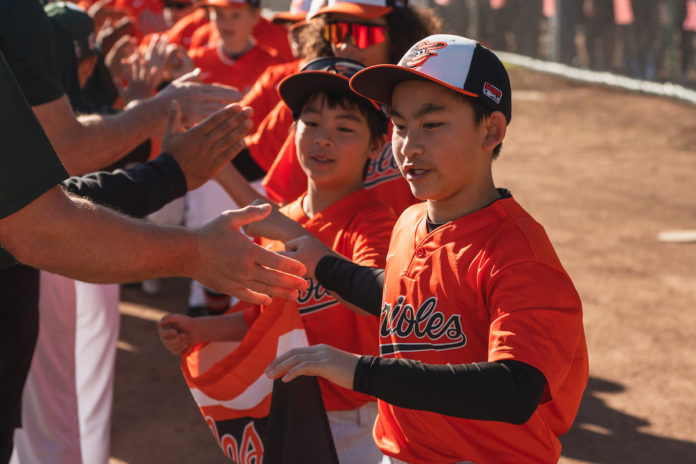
{"x": 308, "y": 250}
{"x": 177, "y": 333}
{"x": 318, "y": 360}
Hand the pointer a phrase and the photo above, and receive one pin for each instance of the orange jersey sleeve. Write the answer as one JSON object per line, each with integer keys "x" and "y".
{"x": 485, "y": 287}
{"x": 358, "y": 227}
{"x": 263, "y": 95}
{"x": 203, "y": 36}
{"x": 273, "y": 136}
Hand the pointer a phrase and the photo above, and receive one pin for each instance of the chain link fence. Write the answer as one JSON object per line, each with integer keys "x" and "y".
{"x": 644, "y": 39}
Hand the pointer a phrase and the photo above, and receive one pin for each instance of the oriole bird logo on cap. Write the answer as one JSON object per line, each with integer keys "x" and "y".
{"x": 421, "y": 53}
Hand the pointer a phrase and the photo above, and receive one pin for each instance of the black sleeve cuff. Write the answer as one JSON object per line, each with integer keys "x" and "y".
{"x": 358, "y": 285}
{"x": 362, "y": 374}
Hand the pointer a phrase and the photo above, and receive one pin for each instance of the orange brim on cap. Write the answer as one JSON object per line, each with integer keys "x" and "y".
{"x": 222, "y": 3}
{"x": 288, "y": 17}
{"x": 354, "y": 9}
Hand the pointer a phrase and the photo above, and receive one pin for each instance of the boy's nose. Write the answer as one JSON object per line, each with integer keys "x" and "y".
{"x": 323, "y": 138}
{"x": 411, "y": 145}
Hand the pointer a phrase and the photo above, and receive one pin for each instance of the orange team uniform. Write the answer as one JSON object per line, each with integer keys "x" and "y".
{"x": 146, "y": 13}
{"x": 273, "y": 36}
{"x": 241, "y": 73}
{"x": 485, "y": 287}
{"x": 263, "y": 95}
{"x": 285, "y": 177}
{"x": 358, "y": 227}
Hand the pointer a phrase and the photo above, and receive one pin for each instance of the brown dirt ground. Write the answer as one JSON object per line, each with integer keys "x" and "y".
{"x": 605, "y": 171}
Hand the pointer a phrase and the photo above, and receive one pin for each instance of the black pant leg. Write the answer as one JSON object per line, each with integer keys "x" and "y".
{"x": 19, "y": 328}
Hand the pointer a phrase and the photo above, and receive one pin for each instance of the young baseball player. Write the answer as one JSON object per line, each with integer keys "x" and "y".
{"x": 337, "y": 133}
{"x": 371, "y": 32}
{"x": 235, "y": 58}
{"x": 482, "y": 349}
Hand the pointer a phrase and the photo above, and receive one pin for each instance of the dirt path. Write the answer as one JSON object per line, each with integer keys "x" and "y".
{"x": 605, "y": 171}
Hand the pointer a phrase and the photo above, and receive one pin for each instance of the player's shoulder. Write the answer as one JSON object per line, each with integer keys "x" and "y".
{"x": 521, "y": 237}
{"x": 413, "y": 213}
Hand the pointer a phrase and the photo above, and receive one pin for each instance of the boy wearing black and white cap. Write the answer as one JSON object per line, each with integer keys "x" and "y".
{"x": 482, "y": 347}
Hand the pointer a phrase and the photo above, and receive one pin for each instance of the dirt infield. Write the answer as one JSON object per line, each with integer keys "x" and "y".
{"x": 605, "y": 171}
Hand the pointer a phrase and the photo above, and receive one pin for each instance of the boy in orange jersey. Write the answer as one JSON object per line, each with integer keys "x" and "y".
{"x": 371, "y": 32}
{"x": 482, "y": 348}
{"x": 236, "y": 58}
{"x": 338, "y": 132}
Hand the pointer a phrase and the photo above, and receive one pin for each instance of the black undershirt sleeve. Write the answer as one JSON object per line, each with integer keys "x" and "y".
{"x": 358, "y": 285}
{"x": 247, "y": 167}
{"x": 136, "y": 191}
{"x": 504, "y": 391}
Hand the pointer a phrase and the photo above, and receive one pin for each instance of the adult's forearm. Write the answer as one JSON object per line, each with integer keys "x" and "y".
{"x": 91, "y": 142}
{"x": 75, "y": 238}
{"x": 113, "y": 136}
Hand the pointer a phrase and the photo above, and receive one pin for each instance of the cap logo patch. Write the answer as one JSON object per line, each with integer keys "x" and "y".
{"x": 492, "y": 92}
{"x": 420, "y": 53}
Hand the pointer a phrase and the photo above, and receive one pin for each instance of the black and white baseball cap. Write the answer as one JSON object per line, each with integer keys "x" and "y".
{"x": 328, "y": 73}
{"x": 458, "y": 63}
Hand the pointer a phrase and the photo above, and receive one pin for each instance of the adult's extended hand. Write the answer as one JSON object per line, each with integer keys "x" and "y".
{"x": 197, "y": 100}
{"x": 232, "y": 264}
{"x": 205, "y": 148}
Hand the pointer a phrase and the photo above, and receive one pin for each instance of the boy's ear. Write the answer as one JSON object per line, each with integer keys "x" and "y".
{"x": 496, "y": 127}
{"x": 376, "y": 146}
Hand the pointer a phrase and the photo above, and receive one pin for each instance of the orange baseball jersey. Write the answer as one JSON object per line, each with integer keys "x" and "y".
{"x": 285, "y": 177}
{"x": 241, "y": 73}
{"x": 272, "y": 36}
{"x": 485, "y": 287}
{"x": 263, "y": 95}
{"x": 358, "y": 227}
{"x": 252, "y": 417}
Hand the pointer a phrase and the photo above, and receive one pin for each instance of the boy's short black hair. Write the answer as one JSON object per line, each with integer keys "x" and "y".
{"x": 377, "y": 122}
{"x": 330, "y": 76}
{"x": 481, "y": 112}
